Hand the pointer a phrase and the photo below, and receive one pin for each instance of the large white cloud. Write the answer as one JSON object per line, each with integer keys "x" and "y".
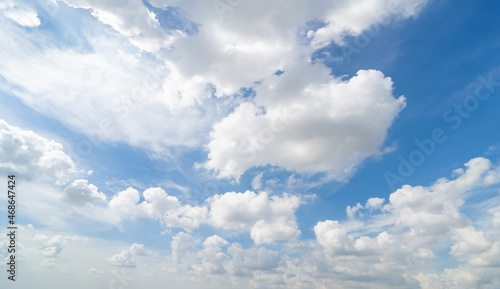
{"x": 306, "y": 120}
{"x": 35, "y": 157}
{"x": 266, "y": 218}
{"x": 270, "y": 218}
{"x": 80, "y": 193}
{"x": 19, "y": 12}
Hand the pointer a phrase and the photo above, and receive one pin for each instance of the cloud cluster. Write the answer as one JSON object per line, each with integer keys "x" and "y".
{"x": 127, "y": 71}
{"x": 383, "y": 244}
{"x": 266, "y": 218}
{"x": 416, "y": 225}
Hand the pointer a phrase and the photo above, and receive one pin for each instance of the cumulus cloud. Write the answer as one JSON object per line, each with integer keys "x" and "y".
{"x": 271, "y": 218}
{"x": 267, "y": 218}
{"x": 182, "y": 244}
{"x": 80, "y": 193}
{"x": 213, "y": 257}
{"x": 307, "y": 121}
{"x": 24, "y": 152}
{"x": 156, "y": 203}
{"x": 269, "y": 231}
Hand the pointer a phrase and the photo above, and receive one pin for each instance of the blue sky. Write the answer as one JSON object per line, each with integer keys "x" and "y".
{"x": 155, "y": 140}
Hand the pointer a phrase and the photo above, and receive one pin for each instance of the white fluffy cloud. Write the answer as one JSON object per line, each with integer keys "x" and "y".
{"x": 20, "y": 13}
{"x": 266, "y": 218}
{"x": 80, "y": 193}
{"x": 24, "y": 152}
{"x": 265, "y": 232}
{"x": 330, "y": 235}
{"x": 431, "y": 211}
{"x": 306, "y": 120}
{"x": 271, "y": 218}
{"x": 157, "y": 205}
{"x": 182, "y": 244}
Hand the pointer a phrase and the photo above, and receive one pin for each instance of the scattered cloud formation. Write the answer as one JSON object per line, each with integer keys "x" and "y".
{"x": 271, "y": 218}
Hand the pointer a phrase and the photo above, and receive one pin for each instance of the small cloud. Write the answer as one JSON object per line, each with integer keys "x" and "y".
{"x": 257, "y": 181}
